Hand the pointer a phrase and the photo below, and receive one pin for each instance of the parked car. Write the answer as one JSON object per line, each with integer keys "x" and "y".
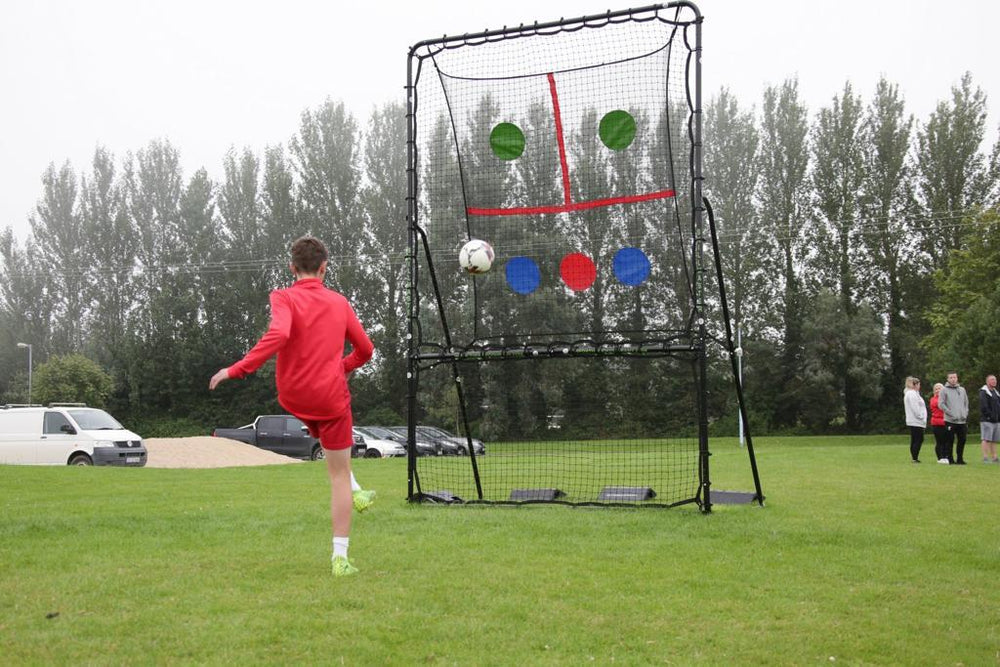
{"x": 423, "y": 440}
{"x": 460, "y": 442}
{"x": 379, "y": 447}
{"x": 66, "y": 434}
{"x": 424, "y": 448}
{"x": 448, "y": 447}
{"x": 283, "y": 434}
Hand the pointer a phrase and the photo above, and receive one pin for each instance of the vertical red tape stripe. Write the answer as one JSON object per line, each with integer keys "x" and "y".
{"x": 559, "y": 137}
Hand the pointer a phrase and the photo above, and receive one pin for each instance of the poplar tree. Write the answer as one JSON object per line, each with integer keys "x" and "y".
{"x": 837, "y": 177}
{"x": 325, "y": 159}
{"x": 109, "y": 243}
{"x": 732, "y": 171}
{"x": 953, "y": 175}
{"x": 56, "y": 228}
{"x": 783, "y": 195}
{"x": 891, "y": 274}
{"x": 239, "y": 293}
{"x": 382, "y": 303}
{"x": 154, "y": 187}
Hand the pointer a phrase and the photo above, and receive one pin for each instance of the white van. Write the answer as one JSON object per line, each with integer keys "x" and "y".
{"x": 66, "y": 434}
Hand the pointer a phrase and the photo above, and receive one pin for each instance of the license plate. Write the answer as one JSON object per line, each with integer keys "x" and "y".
{"x": 133, "y": 459}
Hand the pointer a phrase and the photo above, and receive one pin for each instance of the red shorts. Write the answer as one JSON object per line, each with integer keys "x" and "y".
{"x": 332, "y": 433}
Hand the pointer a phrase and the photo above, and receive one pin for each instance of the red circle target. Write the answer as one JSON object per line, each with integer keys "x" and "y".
{"x": 577, "y": 271}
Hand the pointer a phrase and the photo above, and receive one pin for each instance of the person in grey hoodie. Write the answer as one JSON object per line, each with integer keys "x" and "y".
{"x": 954, "y": 402}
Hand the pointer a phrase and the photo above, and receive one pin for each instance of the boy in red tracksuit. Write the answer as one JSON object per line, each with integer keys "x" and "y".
{"x": 309, "y": 324}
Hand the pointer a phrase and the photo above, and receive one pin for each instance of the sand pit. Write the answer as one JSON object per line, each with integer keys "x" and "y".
{"x": 207, "y": 452}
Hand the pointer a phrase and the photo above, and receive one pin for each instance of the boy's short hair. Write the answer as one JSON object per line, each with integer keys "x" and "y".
{"x": 308, "y": 252}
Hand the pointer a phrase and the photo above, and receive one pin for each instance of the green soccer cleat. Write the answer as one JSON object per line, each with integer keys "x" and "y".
{"x": 363, "y": 500}
{"x": 342, "y": 567}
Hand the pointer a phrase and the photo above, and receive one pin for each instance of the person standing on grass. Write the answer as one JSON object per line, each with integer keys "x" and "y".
{"x": 954, "y": 403}
{"x": 308, "y": 330}
{"x": 989, "y": 418}
{"x": 916, "y": 416}
{"x": 937, "y": 425}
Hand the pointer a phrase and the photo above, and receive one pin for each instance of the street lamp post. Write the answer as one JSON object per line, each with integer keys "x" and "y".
{"x": 739, "y": 372}
{"x": 28, "y": 345}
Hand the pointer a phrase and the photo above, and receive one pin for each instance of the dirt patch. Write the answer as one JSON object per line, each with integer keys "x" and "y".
{"x": 207, "y": 452}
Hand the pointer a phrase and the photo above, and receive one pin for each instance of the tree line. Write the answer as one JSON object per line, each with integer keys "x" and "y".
{"x": 162, "y": 279}
{"x": 857, "y": 245}
{"x": 850, "y": 235}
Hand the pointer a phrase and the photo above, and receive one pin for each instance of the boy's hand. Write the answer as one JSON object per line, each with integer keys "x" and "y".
{"x": 218, "y": 378}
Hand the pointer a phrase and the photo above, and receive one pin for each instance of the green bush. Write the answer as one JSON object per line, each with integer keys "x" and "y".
{"x": 72, "y": 378}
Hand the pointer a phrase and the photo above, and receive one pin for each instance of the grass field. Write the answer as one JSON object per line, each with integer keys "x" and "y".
{"x": 858, "y": 557}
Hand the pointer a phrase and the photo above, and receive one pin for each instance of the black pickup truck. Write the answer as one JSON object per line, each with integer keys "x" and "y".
{"x": 282, "y": 434}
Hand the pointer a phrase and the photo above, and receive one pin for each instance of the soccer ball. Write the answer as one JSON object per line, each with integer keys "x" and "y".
{"x": 476, "y": 256}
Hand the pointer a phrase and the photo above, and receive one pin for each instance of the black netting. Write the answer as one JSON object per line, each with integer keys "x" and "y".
{"x": 570, "y": 149}
{"x": 577, "y": 425}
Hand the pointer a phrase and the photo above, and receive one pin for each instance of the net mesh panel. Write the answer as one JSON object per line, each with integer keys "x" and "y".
{"x": 569, "y": 150}
{"x": 557, "y": 440}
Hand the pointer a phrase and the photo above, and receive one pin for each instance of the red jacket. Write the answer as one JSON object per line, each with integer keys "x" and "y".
{"x": 937, "y": 415}
{"x": 309, "y": 324}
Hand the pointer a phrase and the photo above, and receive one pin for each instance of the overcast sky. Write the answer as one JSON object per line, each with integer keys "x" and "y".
{"x": 211, "y": 74}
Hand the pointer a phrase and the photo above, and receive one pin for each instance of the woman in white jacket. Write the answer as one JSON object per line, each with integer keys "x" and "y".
{"x": 916, "y": 415}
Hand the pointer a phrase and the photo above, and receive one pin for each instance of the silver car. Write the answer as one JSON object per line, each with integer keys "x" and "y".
{"x": 379, "y": 447}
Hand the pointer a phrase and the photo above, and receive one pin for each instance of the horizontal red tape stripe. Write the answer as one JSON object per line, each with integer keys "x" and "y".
{"x": 566, "y": 208}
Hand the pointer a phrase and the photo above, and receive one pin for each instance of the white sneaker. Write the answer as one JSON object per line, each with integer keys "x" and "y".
{"x": 944, "y": 461}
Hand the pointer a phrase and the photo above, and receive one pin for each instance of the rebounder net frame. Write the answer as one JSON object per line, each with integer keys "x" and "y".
{"x": 574, "y": 148}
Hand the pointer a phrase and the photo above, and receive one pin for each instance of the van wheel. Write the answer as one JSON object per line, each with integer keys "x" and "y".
{"x": 373, "y": 454}
{"x": 317, "y": 454}
{"x": 80, "y": 460}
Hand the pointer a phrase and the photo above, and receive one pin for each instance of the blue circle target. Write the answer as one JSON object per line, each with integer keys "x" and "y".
{"x": 631, "y": 266}
{"x": 523, "y": 275}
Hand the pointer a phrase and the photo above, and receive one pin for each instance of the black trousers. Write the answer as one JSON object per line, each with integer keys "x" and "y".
{"x": 916, "y": 440}
{"x": 942, "y": 449}
{"x": 956, "y": 435}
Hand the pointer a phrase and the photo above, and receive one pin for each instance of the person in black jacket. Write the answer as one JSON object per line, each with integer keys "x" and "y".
{"x": 989, "y": 418}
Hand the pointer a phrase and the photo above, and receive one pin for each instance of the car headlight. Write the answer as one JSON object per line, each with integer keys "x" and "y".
{"x": 104, "y": 443}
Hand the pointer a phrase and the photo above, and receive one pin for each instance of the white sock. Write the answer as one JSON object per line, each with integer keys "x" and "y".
{"x": 340, "y": 546}
{"x": 354, "y": 483}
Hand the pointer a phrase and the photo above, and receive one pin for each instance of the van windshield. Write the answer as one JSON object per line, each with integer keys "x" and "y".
{"x": 95, "y": 420}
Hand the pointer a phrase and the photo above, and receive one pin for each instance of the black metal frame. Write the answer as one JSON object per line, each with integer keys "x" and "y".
{"x": 665, "y": 343}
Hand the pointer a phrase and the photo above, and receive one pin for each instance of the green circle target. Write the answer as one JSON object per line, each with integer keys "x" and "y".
{"x": 617, "y": 129}
{"x": 507, "y": 141}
